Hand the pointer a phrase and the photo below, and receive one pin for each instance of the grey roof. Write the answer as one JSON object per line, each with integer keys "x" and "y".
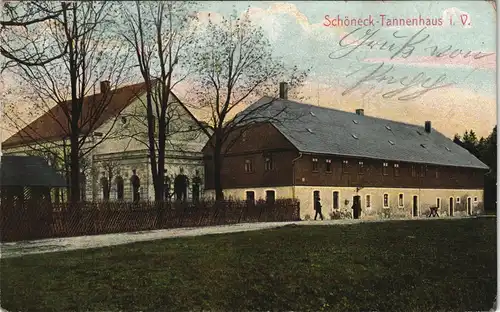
{"x": 28, "y": 171}
{"x": 313, "y": 129}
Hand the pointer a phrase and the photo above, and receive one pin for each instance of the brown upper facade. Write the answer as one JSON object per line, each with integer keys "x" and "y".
{"x": 310, "y": 145}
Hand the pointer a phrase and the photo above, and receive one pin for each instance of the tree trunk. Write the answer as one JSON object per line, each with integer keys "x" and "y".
{"x": 217, "y": 158}
{"x": 74, "y": 168}
{"x": 151, "y": 134}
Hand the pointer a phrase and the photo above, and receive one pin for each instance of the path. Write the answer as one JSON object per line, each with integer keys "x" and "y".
{"x": 18, "y": 249}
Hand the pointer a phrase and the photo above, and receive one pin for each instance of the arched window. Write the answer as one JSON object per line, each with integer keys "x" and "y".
{"x": 119, "y": 187}
{"x": 105, "y": 188}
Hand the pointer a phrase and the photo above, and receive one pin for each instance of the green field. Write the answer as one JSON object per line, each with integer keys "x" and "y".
{"x": 443, "y": 265}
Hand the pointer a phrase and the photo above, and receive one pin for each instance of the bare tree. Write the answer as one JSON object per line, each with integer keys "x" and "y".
{"x": 161, "y": 34}
{"x": 24, "y": 16}
{"x": 235, "y": 66}
{"x": 83, "y": 34}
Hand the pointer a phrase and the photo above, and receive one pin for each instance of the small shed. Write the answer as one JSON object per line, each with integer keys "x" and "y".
{"x": 27, "y": 178}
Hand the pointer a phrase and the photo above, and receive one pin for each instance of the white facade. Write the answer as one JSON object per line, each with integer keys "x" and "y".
{"x": 372, "y": 200}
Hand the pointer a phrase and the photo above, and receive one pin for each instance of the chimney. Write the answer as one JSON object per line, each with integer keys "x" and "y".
{"x": 284, "y": 90}
{"x": 360, "y": 112}
{"x": 428, "y": 126}
{"x": 105, "y": 86}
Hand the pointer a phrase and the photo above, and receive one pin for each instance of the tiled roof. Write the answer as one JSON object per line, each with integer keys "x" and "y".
{"x": 321, "y": 130}
{"x": 28, "y": 171}
{"x": 53, "y": 125}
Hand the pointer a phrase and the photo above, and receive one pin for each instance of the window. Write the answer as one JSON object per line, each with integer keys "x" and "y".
{"x": 328, "y": 165}
{"x": 396, "y": 170}
{"x": 270, "y": 197}
{"x": 400, "y": 200}
{"x": 368, "y": 201}
{"x": 105, "y": 188}
{"x": 384, "y": 168}
{"x": 386, "y": 200}
{"x": 269, "y": 164}
{"x": 250, "y": 197}
{"x": 475, "y": 199}
{"x": 248, "y": 166}
{"x": 361, "y": 168}
{"x": 119, "y": 188}
{"x": 345, "y": 168}
{"x": 437, "y": 173}
{"x": 423, "y": 169}
{"x": 413, "y": 171}
{"x": 335, "y": 200}
{"x": 438, "y": 202}
{"x": 315, "y": 164}
{"x": 458, "y": 200}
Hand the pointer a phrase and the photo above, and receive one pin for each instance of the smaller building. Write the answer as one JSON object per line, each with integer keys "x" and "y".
{"x": 25, "y": 179}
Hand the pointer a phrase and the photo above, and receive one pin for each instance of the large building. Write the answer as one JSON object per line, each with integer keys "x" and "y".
{"x": 122, "y": 128}
{"x": 300, "y": 151}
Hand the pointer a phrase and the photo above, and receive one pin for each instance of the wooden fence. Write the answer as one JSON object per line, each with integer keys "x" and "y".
{"x": 47, "y": 220}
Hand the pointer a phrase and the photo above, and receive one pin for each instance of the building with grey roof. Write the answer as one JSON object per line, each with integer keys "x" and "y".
{"x": 290, "y": 149}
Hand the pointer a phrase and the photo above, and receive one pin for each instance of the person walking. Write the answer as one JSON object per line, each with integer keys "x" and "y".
{"x": 317, "y": 207}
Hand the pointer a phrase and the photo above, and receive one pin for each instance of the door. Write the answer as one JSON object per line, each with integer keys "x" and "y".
{"x": 250, "y": 197}
{"x": 316, "y": 199}
{"x": 415, "y": 205}
{"x": 451, "y": 206}
{"x": 469, "y": 206}
{"x": 356, "y": 207}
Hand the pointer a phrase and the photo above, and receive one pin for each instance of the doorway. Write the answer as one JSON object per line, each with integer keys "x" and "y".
{"x": 415, "y": 206}
{"x": 451, "y": 206}
{"x": 356, "y": 207}
{"x": 469, "y": 206}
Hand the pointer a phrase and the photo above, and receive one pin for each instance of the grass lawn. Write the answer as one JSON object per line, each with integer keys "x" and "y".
{"x": 443, "y": 265}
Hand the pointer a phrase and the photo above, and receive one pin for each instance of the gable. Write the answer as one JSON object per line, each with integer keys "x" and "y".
{"x": 129, "y": 130}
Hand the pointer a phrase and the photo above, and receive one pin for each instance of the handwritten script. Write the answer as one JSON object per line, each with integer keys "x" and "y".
{"x": 400, "y": 45}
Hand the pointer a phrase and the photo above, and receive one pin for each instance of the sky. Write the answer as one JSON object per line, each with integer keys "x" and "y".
{"x": 455, "y": 93}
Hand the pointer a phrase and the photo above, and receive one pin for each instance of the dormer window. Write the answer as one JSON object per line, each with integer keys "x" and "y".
{"x": 315, "y": 164}
{"x": 388, "y": 128}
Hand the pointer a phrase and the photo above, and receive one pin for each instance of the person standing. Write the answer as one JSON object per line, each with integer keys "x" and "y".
{"x": 317, "y": 207}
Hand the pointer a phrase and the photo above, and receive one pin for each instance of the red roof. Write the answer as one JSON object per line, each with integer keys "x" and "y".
{"x": 53, "y": 125}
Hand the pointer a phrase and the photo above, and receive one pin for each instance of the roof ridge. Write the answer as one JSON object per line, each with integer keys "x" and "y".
{"x": 346, "y": 112}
